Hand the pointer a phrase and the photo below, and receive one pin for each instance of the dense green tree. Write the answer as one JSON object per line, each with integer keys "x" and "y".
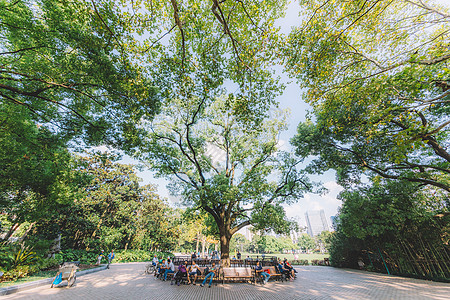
{"x": 323, "y": 240}
{"x": 111, "y": 211}
{"x": 377, "y": 77}
{"x": 68, "y": 63}
{"x": 239, "y": 243}
{"x": 306, "y": 242}
{"x": 400, "y": 224}
{"x": 238, "y": 190}
{"x": 35, "y": 170}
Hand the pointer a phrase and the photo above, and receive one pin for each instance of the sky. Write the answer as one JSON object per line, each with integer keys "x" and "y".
{"x": 292, "y": 99}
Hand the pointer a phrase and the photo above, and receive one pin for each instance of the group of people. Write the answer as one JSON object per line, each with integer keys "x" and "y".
{"x": 111, "y": 256}
{"x": 190, "y": 272}
{"x": 286, "y": 268}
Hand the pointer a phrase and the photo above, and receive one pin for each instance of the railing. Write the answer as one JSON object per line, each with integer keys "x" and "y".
{"x": 251, "y": 262}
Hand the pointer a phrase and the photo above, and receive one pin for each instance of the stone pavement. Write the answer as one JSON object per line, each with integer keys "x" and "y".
{"x": 127, "y": 281}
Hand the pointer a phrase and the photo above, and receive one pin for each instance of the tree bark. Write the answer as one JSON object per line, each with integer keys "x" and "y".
{"x": 11, "y": 231}
{"x": 225, "y": 249}
{"x": 198, "y": 240}
{"x": 22, "y": 238}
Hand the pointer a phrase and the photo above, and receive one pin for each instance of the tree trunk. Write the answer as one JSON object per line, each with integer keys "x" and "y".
{"x": 203, "y": 245}
{"x": 11, "y": 231}
{"x": 198, "y": 240}
{"x": 22, "y": 238}
{"x": 225, "y": 249}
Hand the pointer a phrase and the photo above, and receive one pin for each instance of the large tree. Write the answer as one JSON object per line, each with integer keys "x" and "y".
{"x": 214, "y": 75}
{"x": 377, "y": 76}
{"x": 247, "y": 185}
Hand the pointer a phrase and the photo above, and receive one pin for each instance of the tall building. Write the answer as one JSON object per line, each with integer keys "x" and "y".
{"x": 316, "y": 222}
{"x": 333, "y": 222}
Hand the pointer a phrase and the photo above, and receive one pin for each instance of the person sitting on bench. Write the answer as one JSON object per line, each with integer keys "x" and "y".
{"x": 210, "y": 273}
{"x": 170, "y": 269}
{"x": 162, "y": 268}
{"x": 282, "y": 270}
{"x": 291, "y": 269}
{"x": 259, "y": 270}
{"x": 193, "y": 271}
{"x": 182, "y": 272}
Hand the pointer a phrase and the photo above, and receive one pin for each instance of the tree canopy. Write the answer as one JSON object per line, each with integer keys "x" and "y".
{"x": 68, "y": 64}
{"x": 376, "y": 74}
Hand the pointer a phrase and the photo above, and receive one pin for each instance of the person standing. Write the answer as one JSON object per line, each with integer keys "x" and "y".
{"x": 99, "y": 258}
{"x": 238, "y": 255}
{"x": 111, "y": 256}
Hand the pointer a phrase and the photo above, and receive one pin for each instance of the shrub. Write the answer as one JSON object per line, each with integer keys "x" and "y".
{"x": 83, "y": 256}
{"x": 18, "y": 272}
{"x": 301, "y": 262}
{"x": 46, "y": 263}
{"x": 138, "y": 255}
{"x": 24, "y": 256}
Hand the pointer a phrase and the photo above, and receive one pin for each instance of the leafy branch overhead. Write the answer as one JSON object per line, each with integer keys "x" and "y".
{"x": 377, "y": 76}
{"x": 77, "y": 82}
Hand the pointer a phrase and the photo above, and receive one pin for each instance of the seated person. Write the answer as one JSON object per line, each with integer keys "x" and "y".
{"x": 193, "y": 271}
{"x": 182, "y": 272}
{"x": 155, "y": 261}
{"x": 211, "y": 272}
{"x": 170, "y": 269}
{"x": 288, "y": 266}
{"x": 259, "y": 270}
{"x": 282, "y": 270}
{"x": 162, "y": 267}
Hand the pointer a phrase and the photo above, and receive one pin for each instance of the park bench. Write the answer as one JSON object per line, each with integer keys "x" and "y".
{"x": 239, "y": 273}
{"x": 66, "y": 272}
{"x": 199, "y": 277}
{"x": 272, "y": 270}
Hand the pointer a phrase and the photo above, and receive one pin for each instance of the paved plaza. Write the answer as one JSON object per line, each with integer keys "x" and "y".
{"x": 128, "y": 281}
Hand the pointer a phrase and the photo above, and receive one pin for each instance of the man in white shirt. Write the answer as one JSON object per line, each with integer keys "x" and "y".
{"x": 171, "y": 269}
{"x": 155, "y": 261}
{"x": 192, "y": 272}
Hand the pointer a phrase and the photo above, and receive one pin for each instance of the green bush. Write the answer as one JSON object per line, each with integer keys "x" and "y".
{"x": 90, "y": 257}
{"x": 6, "y": 256}
{"x": 18, "y": 272}
{"x": 138, "y": 255}
{"x": 44, "y": 264}
{"x": 301, "y": 262}
{"x": 83, "y": 256}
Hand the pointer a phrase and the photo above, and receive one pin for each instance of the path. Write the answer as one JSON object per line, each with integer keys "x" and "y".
{"x": 127, "y": 281}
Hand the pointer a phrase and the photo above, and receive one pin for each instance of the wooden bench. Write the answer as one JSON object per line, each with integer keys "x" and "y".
{"x": 199, "y": 277}
{"x": 272, "y": 271}
{"x": 239, "y": 273}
